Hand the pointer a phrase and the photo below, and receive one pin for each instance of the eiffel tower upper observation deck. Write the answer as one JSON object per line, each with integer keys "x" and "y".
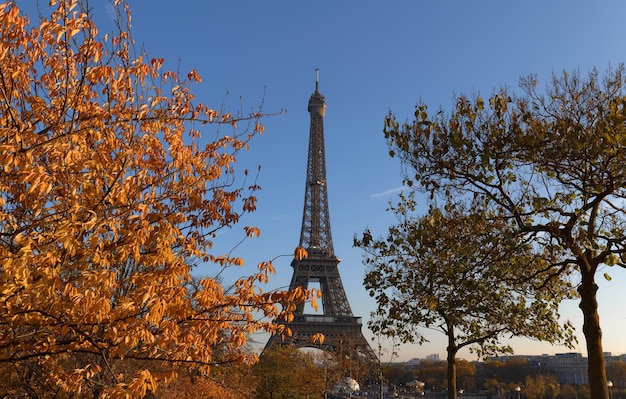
{"x": 342, "y": 331}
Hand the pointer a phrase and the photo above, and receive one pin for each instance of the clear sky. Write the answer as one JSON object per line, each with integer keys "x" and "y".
{"x": 373, "y": 56}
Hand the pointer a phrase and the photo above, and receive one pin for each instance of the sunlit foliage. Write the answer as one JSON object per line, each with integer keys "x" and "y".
{"x": 114, "y": 182}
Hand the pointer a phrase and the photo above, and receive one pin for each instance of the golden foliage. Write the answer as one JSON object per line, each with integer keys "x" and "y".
{"x": 108, "y": 197}
{"x": 300, "y": 253}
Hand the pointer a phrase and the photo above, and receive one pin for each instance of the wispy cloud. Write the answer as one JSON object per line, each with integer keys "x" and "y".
{"x": 386, "y": 193}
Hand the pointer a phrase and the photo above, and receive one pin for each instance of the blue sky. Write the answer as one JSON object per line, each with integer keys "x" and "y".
{"x": 373, "y": 56}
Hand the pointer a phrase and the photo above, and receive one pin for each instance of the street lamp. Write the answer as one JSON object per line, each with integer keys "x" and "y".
{"x": 610, "y": 385}
{"x": 518, "y": 389}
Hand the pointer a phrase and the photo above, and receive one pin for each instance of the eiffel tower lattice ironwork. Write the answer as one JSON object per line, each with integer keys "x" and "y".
{"x": 342, "y": 331}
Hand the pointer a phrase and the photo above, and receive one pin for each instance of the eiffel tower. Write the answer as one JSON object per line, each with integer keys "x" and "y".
{"x": 342, "y": 330}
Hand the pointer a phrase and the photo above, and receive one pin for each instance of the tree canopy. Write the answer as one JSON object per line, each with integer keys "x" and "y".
{"x": 551, "y": 161}
{"x": 114, "y": 182}
{"x": 285, "y": 371}
{"x": 465, "y": 274}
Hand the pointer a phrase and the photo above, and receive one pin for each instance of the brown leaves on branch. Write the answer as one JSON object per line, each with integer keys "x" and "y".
{"x": 300, "y": 253}
{"x": 109, "y": 194}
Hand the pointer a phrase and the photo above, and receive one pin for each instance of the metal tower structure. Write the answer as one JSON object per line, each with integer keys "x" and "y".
{"x": 342, "y": 330}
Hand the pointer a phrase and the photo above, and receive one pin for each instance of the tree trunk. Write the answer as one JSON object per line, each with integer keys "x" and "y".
{"x": 593, "y": 336}
{"x": 452, "y": 349}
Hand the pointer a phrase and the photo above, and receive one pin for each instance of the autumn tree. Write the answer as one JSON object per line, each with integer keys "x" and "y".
{"x": 435, "y": 375}
{"x": 551, "y": 160}
{"x": 513, "y": 370}
{"x": 399, "y": 374}
{"x": 114, "y": 183}
{"x": 574, "y": 392}
{"x": 542, "y": 386}
{"x": 227, "y": 381}
{"x": 616, "y": 373}
{"x": 287, "y": 372}
{"x": 464, "y": 274}
{"x": 466, "y": 375}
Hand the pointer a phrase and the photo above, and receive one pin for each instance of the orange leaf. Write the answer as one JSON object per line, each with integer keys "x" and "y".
{"x": 300, "y": 253}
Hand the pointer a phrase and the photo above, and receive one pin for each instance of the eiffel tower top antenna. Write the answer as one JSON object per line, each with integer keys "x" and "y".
{"x": 317, "y": 79}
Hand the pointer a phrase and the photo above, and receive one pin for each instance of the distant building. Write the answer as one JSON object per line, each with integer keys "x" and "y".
{"x": 616, "y": 358}
{"x": 433, "y": 357}
{"x": 569, "y": 368}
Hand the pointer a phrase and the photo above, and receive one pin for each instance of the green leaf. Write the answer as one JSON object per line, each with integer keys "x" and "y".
{"x": 611, "y": 260}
